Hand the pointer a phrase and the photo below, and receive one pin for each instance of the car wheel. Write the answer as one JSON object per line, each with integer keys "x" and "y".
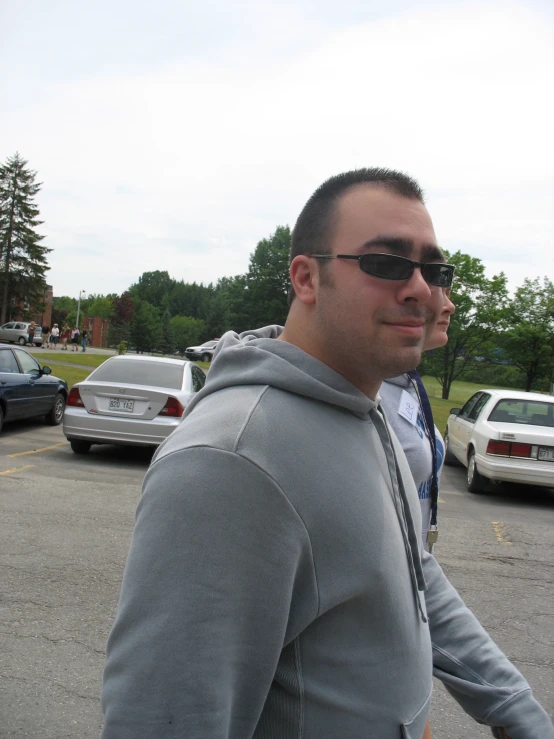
{"x": 206, "y": 357}
{"x": 22, "y": 341}
{"x": 476, "y": 483}
{"x": 1, "y": 418}
{"x": 449, "y": 458}
{"x": 55, "y": 415}
{"x": 79, "y": 446}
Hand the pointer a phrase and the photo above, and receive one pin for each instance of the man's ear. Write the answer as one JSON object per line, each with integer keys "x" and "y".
{"x": 304, "y": 276}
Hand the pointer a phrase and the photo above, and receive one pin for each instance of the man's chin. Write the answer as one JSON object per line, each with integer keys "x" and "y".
{"x": 406, "y": 359}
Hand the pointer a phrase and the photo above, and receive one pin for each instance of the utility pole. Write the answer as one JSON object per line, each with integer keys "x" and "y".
{"x": 79, "y": 306}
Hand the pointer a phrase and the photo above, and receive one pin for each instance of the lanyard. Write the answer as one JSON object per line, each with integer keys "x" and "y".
{"x": 430, "y": 428}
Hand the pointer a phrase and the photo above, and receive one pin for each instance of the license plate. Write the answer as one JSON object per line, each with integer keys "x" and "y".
{"x": 119, "y": 404}
{"x": 546, "y": 454}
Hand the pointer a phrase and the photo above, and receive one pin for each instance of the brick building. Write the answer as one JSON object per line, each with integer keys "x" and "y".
{"x": 97, "y": 330}
{"x": 20, "y": 310}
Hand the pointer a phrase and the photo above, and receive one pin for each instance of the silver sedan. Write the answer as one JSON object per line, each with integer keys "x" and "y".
{"x": 130, "y": 400}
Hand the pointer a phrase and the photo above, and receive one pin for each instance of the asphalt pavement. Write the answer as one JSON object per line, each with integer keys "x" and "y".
{"x": 65, "y": 526}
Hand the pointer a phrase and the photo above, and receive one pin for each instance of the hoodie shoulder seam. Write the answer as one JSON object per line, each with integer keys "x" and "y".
{"x": 269, "y": 477}
{"x": 248, "y": 417}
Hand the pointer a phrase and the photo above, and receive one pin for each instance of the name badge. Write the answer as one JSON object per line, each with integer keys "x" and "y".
{"x": 408, "y": 408}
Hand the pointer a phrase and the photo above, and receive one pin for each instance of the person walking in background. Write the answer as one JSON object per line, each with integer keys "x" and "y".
{"x": 54, "y": 336}
{"x": 66, "y": 333}
{"x": 84, "y": 340}
{"x": 45, "y": 336}
{"x": 31, "y": 334}
{"x": 75, "y": 339}
{"x": 406, "y": 405}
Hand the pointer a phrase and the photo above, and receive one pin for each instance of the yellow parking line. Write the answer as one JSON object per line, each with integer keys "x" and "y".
{"x": 441, "y": 500}
{"x": 16, "y": 469}
{"x": 500, "y": 531}
{"x": 36, "y": 451}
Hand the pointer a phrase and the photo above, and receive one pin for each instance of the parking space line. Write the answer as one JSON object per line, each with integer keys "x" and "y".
{"x": 441, "y": 500}
{"x": 500, "y": 531}
{"x": 37, "y": 451}
{"x": 16, "y": 469}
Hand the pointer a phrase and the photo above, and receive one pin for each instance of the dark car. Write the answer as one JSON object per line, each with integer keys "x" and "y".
{"x": 27, "y": 389}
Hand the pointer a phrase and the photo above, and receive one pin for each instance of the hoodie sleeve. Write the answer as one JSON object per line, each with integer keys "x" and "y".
{"x": 473, "y": 669}
{"x": 204, "y": 611}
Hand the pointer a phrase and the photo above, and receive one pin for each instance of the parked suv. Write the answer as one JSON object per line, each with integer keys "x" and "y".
{"x": 204, "y": 352}
{"x": 17, "y": 332}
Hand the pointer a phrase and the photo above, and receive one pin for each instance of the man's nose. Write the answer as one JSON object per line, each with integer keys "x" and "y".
{"x": 415, "y": 289}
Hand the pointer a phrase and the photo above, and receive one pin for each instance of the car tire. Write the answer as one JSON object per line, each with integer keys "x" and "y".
{"x": 206, "y": 358}
{"x": 1, "y": 418}
{"x": 449, "y": 459}
{"x": 476, "y": 483}
{"x": 22, "y": 341}
{"x": 79, "y": 446}
{"x": 55, "y": 415}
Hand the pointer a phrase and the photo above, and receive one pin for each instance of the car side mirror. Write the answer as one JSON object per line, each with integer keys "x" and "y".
{"x": 45, "y": 371}
{"x": 455, "y": 411}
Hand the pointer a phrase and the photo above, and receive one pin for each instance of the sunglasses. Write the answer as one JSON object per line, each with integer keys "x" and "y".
{"x": 391, "y": 267}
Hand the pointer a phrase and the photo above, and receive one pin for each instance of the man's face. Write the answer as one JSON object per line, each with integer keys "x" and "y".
{"x": 375, "y": 328}
{"x": 439, "y": 335}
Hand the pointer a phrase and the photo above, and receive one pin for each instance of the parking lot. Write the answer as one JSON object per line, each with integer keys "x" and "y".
{"x": 66, "y": 523}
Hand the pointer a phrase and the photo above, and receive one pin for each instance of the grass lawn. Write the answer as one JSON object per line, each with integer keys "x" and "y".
{"x": 459, "y": 393}
{"x": 92, "y": 360}
{"x": 70, "y": 374}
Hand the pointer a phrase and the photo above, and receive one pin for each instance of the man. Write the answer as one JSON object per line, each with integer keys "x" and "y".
{"x": 275, "y": 585}
{"x": 407, "y": 408}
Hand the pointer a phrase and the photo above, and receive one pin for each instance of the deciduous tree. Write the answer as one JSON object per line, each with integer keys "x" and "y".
{"x": 268, "y": 279}
{"x": 145, "y": 327}
{"x": 120, "y": 324}
{"x": 187, "y": 331}
{"x": 529, "y": 340}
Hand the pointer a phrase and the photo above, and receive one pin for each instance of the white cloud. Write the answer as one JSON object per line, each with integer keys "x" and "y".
{"x": 187, "y": 167}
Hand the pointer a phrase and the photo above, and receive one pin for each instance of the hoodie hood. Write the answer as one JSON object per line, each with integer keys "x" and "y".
{"x": 402, "y": 381}
{"x": 255, "y": 358}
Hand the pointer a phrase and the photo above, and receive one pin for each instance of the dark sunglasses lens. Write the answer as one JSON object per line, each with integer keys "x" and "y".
{"x": 386, "y": 266}
{"x": 438, "y": 274}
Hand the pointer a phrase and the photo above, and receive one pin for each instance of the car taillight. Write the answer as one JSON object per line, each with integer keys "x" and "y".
{"x": 74, "y": 398}
{"x": 507, "y": 449}
{"x": 498, "y": 447}
{"x": 520, "y": 450}
{"x": 172, "y": 408}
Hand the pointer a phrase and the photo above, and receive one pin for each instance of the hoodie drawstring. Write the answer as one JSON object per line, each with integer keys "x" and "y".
{"x": 409, "y": 533}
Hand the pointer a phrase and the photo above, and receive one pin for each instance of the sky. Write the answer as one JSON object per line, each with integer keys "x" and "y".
{"x": 176, "y": 135}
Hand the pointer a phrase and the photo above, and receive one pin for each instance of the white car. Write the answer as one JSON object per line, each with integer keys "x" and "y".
{"x": 503, "y": 436}
{"x": 17, "y": 332}
{"x": 130, "y": 400}
{"x": 203, "y": 352}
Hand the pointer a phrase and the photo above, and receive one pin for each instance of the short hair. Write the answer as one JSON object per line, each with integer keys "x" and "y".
{"x": 313, "y": 229}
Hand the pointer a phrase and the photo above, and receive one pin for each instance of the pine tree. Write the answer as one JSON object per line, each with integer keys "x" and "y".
{"x": 167, "y": 336}
{"x": 22, "y": 257}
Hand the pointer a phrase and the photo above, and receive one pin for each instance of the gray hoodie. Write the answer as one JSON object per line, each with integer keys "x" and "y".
{"x": 274, "y": 587}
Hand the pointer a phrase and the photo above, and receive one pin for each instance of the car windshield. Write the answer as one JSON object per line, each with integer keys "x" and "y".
{"x": 136, "y": 372}
{"x": 532, "y": 413}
